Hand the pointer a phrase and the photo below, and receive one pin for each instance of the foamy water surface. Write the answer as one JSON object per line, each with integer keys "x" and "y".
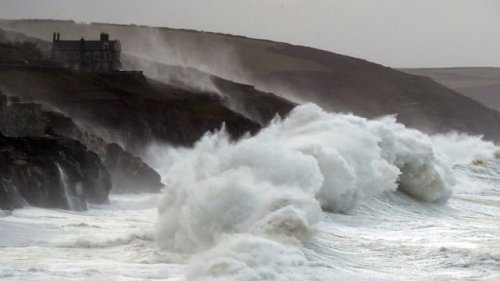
{"x": 316, "y": 196}
{"x": 389, "y": 237}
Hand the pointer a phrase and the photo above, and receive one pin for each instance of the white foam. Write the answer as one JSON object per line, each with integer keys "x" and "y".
{"x": 251, "y": 258}
{"x": 425, "y": 174}
{"x": 464, "y": 149}
{"x": 275, "y": 183}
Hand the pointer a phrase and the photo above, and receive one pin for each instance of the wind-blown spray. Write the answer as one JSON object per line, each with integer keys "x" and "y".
{"x": 270, "y": 188}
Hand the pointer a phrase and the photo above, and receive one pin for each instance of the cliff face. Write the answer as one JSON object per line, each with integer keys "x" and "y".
{"x": 50, "y": 172}
{"x": 99, "y": 111}
{"x": 102, "y": 110}
{"x": 258, "y": 106}
{"x": 44, "y": 171}
{"x": 129, "y": 110}
{"x": 300, "y": 74}
{"x": 22, "y": 117}
{"x": 128, "y": 173}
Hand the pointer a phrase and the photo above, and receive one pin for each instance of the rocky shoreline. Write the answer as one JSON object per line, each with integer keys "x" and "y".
{"x": 52, "y": 172}
{"x": 59, "y": 126}
{"x": 48, "y": 161}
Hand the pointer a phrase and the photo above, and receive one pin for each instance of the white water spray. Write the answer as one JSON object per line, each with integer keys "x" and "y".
{"x": 73, "y": 203}
{"x": 272, "y": 186}
{"x": 16, "y": 197}
{"x": 464, "y": 149}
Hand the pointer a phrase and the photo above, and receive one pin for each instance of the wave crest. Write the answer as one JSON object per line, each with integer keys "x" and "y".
{"x": 277, "y": 181}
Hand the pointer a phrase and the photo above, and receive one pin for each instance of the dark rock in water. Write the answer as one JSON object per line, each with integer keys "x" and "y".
{"x": 128, "y": 172}
{"x": 50, "y": 172}
{"x": 26, "y": 118}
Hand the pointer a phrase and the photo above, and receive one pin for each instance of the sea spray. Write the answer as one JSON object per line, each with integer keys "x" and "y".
{"x": 464, "y": 149}
{"x": 247, "y": 257}
{"x": 13, "y": 194}
{"x": 74, "y": 203}
{"x": 271, "y": 187}
{"x": 217, "y": 193}
{"x": 425, "y": 174}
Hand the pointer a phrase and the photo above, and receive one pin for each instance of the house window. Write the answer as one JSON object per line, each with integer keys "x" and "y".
{"x": 107, "y": 55}
{"x": 97, "y": 55}
{"x": 105, "y": 67}
{"x": 100, "y": 67}
{"x": 87, "y": 55}
{"x": 76, "y": 55}
{"x": 105, "y": 45}
{"x": 67, "y": 55}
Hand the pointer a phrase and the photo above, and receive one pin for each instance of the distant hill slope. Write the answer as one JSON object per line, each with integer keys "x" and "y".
{"x": 479, "y": 83}
{"x": 336, "y": 82}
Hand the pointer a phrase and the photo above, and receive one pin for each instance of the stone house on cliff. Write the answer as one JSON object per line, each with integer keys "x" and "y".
{"x": 87, "y": 55}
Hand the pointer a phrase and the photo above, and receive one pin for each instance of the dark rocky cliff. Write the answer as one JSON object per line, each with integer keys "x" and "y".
{"x": 99, "y": 111}
{"x": 50, "y": 172}
{"x": 126, "y": 109}
{"x": 22, "y": 117}
{"x": 128, "y": 172}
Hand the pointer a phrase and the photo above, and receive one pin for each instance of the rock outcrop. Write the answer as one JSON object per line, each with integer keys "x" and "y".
{"x": 99, "y": 111}
{"x": 53, "y": 172}
{"x": 128, "y": 172}
{"x": 21, "y": 117}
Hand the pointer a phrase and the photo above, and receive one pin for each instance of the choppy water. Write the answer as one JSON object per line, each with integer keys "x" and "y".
{"x": 389, "y": 237}
{"x": 394, "y": 237}
{"x": 255, "y": 210}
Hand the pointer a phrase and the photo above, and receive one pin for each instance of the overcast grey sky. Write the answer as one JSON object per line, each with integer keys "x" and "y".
{"x": 398, "y": 33}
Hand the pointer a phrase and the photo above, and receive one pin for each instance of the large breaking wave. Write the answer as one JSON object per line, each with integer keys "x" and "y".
{"x": 248, "y": 204}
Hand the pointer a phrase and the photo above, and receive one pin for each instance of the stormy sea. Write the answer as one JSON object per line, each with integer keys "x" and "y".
{"x": 313, "y": 196}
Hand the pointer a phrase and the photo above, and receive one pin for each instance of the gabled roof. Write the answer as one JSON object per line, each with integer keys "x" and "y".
{"x": 86, "y": 45}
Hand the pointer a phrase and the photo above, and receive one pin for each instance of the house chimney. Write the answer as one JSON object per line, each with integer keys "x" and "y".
{"x": 58, "y": 36}
{"x": 54, "y": 36}
{"x": 104, "y": 36}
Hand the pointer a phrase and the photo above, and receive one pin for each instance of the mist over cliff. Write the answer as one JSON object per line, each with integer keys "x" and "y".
{"x": 298, "y": 74}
